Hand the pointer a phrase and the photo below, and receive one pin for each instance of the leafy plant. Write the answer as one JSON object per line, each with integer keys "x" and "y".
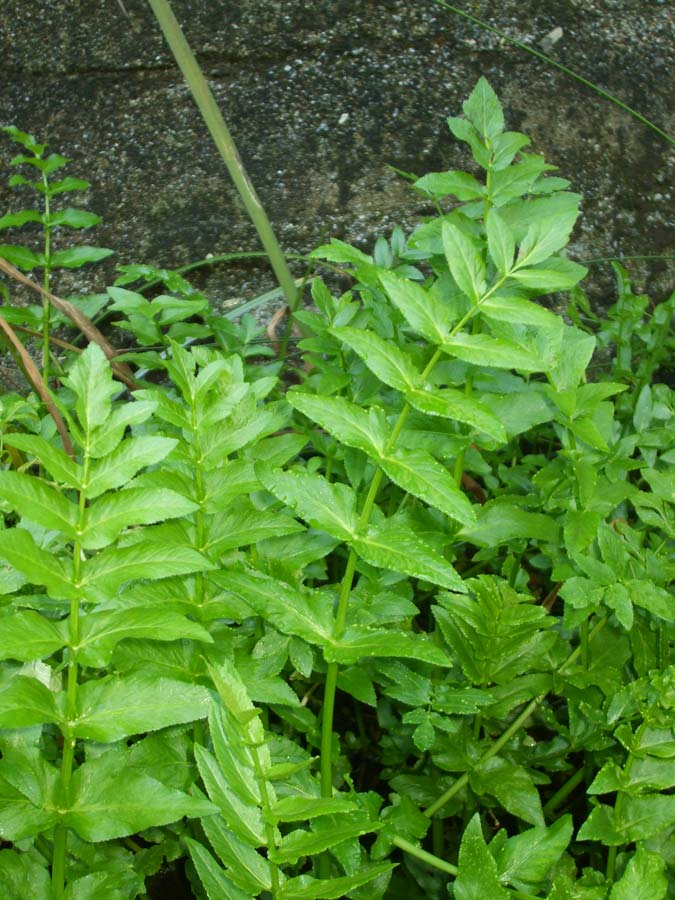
{"x": 49, "y": 220}
{"x": 385, "y": 628}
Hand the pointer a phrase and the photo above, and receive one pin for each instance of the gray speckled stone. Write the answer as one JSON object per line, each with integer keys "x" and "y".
{"x": 321, "y": 96}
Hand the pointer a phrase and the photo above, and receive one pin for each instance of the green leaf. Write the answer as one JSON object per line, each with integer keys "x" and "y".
{"x": 555, "y": 274}
{"x": 528, "y": 856}
{"x": 483, "y": 350}
{"x": 25, "y": 702}
{"x": 120, "y": 466}
{"x": 249, "y": 870}
{"x": 76, "y": 257}
{"x": 27, "y": 636}
{"x": 116, "y": 707}
{"x": 418, "y": 473}
{"x": 90, "y": 379}
{"x": 18, "y": 548}
{"x": 457, "y": 406}
{"x": 501, "y": 521}
{"x": 308, "y": 843}
{"x": 148, "y": 559}
{"x": 75, "y": 218}
{"x": 545, "y": 237}
{"x": 465, "y": 261}
{"x": 451, "y": 183}
{"x": 330, "y": 507}
{"x": 644, "y": 878}
{"x": 391, "y": 365}
{"x": 512, "y": 786}
{"x": 423, "y": 311}
{"x": 288, "y": 609}
{"x": 37, "y": 501}
{"x": 66, "y": 185}
{"x": 21, "y": 257}
{"x": 20, "y": 819}
{"x": 55, "y": 460}
{"x": 347, "y": 422}
{"x": 395, "y": 547}
{"x": 307, "y": 888}
{"x": 297, "y": 809}
{"x": 519, "y": 311}
{"x": 16, "y": 220}
{"x": 106, "y": 517}
{"x": 242, "y": 817}
{"x": 244, "y": 524}
{"x": 108, "y": 435}
{"x": 642, "y": 817}
{"x": 100, "y": 632}
{"x": 477, "y": 877}
{"x": 501, "y": 243}
{"x": 361, "y": 641}
{"x": 214, "y": 880}
{"x": 109, "y": 803}
{"x": 484, "y": 110}
{"x": 22, "y": 876}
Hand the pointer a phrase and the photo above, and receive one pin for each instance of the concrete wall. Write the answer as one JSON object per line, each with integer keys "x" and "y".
{"x": 321, "y": 96}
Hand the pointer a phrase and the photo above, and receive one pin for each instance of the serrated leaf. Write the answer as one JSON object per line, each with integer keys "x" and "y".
{"x": 500, "y": 521}
{"x": 100, "y": 632}
{"x": 76, "y": 257}
{"x": 286, "y": 608}
{"x": 418, "y": 473}
{"x": 120, "y": 466}
{"x": 244, "y": 818}
{"x": 116, "y": 707}
{"x": 69, "y": 183}
{"x": 39, "y": 502}
{"x": 528, "y": 857}
{"x": 22, "y": 876}
{"x": 452, "y": 183}
{"x": 307, "y": 888}
{"x": 545, "y": 237}
{"x": 389, "y": 363}
{"x": 350, "y": 424}
{"x": 327, "y": 506}
{"x": 75, "y": 218}
{"x": 556, "y": 274}
{"x": 244, "y": 524}
{"x": 55, "y": 460}
{"x": 26, "y": 636}
{"x": 308, "y": 843}
{"x": 483, "y": 350}
{"x": 107, "y": 516}
{"x": 484, "y": 111}
{"x": 361, "y": 641}
{"x": 109, "y": 805}
{"x": 512, "y": 786}
{"x": 21, "y": 257}
{"x": 20, "y": 819}
{"x": 423, "y": 311}
{"x": 297, "y": 809}
{"x": 644, "y": 878}
{"x": 249, "y": 870}
{"x": 395, "y": 547}
{"x": 339, "y": 251}
{"x": 108, "y": 435}
{"x": 25, "y": 702}
{"x": 501, "y": 243}
{"x": 90, "y": 379}
{"x": 148, "y": 559}
{"x": 449, "y": 403}
{"x": 214, "y": 880}
{"x": 465, "y": 261}
{"x": 504, "y": 308}
{"x": 18, "y": 548}
{"x": 477, "y": 876}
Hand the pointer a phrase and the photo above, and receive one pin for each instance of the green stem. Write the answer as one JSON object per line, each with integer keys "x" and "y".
{"x": 506, "y": 736}
{"x": 59, "y": 848}
{"x": 225, "y": 144}
{"x": 619, "y": 804}
{"x": 426, "y": 857}
{"x": 46, "y": 283}
{"x": 563, "y": 792}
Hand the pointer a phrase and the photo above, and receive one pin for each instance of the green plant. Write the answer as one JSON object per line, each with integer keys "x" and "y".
{"x": 49, "y": 220}
{"x": 378, "y": 630}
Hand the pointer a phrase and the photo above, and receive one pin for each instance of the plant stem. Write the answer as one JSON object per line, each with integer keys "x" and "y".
{"x": 46, "y": 280}
{"x": 563, "y": 792}
{"x": 59, "y": 849}
{"x": 619, "y": 804}
{"x": 424, "y": 856}
{"x": 224, "y": 142}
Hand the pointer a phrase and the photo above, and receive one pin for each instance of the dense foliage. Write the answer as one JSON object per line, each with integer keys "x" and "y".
{"x": 391, "y": 620}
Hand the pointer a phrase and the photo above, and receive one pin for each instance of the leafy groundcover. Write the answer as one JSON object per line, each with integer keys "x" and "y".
{"x": 391, "y": 618}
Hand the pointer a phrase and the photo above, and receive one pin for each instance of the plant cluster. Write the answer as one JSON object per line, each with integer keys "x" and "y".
{"x": 392, "y": 620}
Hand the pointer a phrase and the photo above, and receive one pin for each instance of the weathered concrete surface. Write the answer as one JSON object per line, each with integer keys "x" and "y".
{"x": 321, "y": 96}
